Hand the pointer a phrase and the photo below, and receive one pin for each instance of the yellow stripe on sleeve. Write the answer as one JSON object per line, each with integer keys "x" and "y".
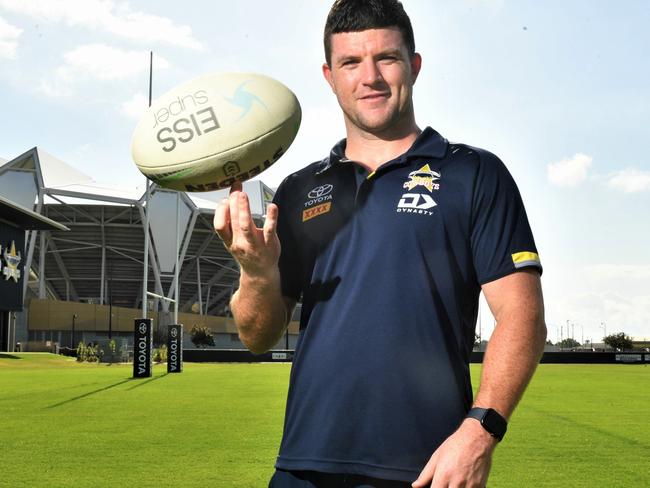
{"x": 526, "y": 258}
{"x": 520, "y": 257}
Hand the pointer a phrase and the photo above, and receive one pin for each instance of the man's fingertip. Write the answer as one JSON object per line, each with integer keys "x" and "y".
{"x": 236, "y": 186}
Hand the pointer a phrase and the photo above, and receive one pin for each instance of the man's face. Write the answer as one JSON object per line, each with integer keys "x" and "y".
{"x": 372, "y": 76}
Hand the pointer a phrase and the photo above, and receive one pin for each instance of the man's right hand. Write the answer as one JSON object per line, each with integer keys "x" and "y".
{"x": 260, "y": 311}
{"x": 257, "y": 250}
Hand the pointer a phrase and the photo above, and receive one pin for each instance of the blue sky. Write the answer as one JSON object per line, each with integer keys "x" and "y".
{"x": 558, "y": 89}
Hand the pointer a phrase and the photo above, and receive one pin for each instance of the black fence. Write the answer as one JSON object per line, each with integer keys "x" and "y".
{"x": 68, "y": 351}
{"x": 282, "y": 356}
{"x": 235, "y": 356}
{"x": 586, "y": 357}
{"x": 244, "y": 356}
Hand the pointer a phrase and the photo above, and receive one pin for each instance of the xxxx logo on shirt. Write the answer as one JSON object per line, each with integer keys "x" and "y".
{"x": 319, "y": 202}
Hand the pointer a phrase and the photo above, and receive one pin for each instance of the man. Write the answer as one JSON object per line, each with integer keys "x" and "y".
{"x": 389, "y": 242}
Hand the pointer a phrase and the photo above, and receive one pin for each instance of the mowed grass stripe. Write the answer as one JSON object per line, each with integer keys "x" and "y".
{"x": 579, "y": 426}
{"x": 219, "y": 425}
{"x": 214, "y": 425}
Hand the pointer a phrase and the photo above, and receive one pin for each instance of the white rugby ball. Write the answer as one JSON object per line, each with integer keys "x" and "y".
{"x": 214, "y": 130}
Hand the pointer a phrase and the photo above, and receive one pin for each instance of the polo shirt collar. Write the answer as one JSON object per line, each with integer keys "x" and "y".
{"x": 429, "y": 144}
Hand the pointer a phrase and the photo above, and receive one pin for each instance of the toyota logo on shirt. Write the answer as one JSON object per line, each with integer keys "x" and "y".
{"x": 320, "y": 191}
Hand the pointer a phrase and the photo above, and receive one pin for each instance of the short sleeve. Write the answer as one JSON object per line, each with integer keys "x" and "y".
{"x": 501, "y": 239}
{"x": 289, "y": 263}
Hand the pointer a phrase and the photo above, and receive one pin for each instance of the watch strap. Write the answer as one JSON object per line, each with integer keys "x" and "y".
{"x": 491, "y": 420}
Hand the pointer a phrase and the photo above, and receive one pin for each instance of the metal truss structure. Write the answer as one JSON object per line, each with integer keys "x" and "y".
{"x": 101, "y": 259}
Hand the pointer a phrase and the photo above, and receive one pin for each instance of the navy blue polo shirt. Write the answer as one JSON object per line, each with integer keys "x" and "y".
{"x": 389, "y": 266}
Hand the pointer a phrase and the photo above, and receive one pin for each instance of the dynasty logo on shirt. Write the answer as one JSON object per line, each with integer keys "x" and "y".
{"x": 419, "y": 203}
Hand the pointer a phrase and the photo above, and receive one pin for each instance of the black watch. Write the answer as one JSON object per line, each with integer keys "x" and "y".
{"x": 491, "y": 421}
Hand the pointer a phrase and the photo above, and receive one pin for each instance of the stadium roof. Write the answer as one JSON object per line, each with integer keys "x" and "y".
{"x": 101, "y": 258}
{"x": 24, "y": 218}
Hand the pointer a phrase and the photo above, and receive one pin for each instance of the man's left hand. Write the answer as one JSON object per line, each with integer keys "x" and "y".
{"x": 463, "y": 460}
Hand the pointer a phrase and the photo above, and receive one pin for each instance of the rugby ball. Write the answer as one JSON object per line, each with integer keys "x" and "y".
{"x": 214, "y": 130}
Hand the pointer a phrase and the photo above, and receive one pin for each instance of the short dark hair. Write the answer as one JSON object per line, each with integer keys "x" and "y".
{"x": 359, "y": 15}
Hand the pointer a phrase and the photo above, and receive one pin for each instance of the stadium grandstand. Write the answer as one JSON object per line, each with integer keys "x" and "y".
{"x": 83, "y": 280}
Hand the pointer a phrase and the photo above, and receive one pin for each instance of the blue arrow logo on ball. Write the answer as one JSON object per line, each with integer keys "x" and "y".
{"x": 245, "y": 100}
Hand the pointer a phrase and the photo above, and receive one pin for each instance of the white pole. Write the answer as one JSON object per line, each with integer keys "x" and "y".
{"x": 178, "y": 251}
{"x": 145, "y": 279}
{"x": 160, "y": 297}
{"x": 12, "y": 344}
{"x": 198, "y": 281}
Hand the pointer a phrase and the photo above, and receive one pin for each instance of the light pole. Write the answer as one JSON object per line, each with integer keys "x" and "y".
{"x": 74, "y": 317}
{"x": 110, "y": 302}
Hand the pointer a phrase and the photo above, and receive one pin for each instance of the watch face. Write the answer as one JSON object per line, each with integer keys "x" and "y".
{"x": 494, "y": 423}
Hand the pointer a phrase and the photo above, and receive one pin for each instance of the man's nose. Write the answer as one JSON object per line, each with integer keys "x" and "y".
{"x": 371, "y": 74}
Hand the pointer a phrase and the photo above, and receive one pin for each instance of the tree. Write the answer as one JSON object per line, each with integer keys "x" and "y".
{"x": 620, "y": 341}
{"x": 568, "y": 343}
{"x": 201, "y": 336}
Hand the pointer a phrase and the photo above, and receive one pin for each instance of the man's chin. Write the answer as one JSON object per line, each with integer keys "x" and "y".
{"x": 376, "y": 125}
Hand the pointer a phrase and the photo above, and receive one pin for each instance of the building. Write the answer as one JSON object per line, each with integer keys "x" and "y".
{"x": 86, "y": 283}
{"x": 15, "y": 222}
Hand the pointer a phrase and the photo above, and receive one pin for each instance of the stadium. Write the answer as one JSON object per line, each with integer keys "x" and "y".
{"x": 81, "y": 261}
{"x": 80, "y": 247}
{"x": 84, "y": 267}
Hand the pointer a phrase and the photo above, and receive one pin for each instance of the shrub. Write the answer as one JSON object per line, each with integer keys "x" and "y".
{"x": 160, "y": 354}
{"x": 568, "y": 343}
{"x": 91, "y": 353}
{"x": 81, "y": 352}
{"x": 620, "y": 341}
{"x": 201, "y": 336}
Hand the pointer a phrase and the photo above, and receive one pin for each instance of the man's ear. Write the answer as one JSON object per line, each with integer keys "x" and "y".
{"x": 327, "y": 73}
{"x": 416, "y": 65}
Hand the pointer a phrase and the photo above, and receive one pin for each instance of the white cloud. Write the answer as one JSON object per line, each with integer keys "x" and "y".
{"x": 617, "y": 295}
{"x": 320, "y": 128}
{"x": 103, "y": 62}
{"x": 9, "y": 35}
{"x": 97, "y": 62}
{"x": 617, "y": 313}
{"x": 116, "y": 18}
{"x": 628, "y": 279}
{"x": 135, "y": 107}
{"x": 569, "y": 172}
{"x": 53, "y": 89}
{"x": 630, "y": 180}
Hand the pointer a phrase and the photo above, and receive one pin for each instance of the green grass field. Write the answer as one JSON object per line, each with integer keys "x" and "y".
{"x": 63, "y": 423}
